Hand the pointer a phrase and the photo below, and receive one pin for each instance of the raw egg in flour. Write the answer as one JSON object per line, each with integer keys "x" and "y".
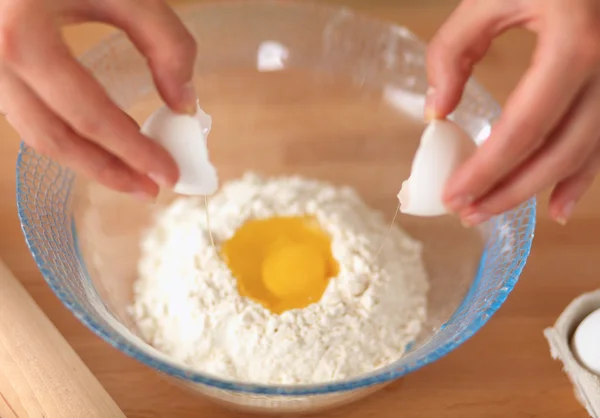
{"x": 443, "y": 147}
{"x": 185, "y": 138}
{"x": 281, "y": 262}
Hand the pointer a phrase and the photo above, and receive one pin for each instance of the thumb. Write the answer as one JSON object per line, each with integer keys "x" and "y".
{"x": 459, "y": 44}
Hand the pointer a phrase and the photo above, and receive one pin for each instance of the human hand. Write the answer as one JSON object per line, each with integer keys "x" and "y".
{"x": 549, "y": 132}
{"x": 62, "y": 111}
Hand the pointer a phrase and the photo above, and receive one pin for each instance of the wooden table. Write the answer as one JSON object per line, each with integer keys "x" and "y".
{"x": 504, "y": 371}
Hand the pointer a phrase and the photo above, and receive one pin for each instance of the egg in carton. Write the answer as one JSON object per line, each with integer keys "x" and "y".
{"x": 574, "y": 341}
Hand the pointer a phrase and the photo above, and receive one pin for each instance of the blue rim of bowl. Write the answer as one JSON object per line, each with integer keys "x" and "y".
{"x": 191, "y": 376}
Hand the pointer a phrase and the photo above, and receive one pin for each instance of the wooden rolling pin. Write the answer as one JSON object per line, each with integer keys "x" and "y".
{"x": 40, "y": 374}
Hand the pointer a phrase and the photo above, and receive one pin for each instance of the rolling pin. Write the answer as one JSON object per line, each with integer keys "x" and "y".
{"x": 40, "y": 374}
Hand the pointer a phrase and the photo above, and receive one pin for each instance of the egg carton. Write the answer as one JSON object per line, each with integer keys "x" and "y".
{"x": 585, "y": 383}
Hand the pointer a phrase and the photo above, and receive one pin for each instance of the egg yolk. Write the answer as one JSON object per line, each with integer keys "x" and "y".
{"x": 281, "y": 262}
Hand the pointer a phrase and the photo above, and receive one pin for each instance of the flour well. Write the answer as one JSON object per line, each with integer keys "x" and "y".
{"x": 186, "y": 302}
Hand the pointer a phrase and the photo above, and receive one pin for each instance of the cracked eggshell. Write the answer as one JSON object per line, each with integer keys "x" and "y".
{"x": 185, "y": 138}
{"x": 443, "y": 147}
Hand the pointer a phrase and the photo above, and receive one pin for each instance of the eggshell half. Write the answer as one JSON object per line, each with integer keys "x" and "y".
{"x": 443, "y": 147}
{"x": 586, "y": 342}
{"x": 185, "y": 138}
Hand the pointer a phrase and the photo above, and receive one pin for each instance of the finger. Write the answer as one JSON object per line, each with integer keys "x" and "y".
{"x": 46, "y": 133}
{"x": 460, "y": 43}
{"x": 47, "y": 67}
{"x": 540, "y": 101}
{"x": 162, "y": 38}
{"x": 564, "y": 153}
{"x": 569, "y": 191}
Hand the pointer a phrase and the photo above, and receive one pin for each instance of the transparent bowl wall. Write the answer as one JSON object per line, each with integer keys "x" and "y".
{"x": 340, "y": 99}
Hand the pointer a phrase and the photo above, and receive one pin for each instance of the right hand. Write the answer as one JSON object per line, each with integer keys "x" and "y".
{"x": 62, "y": 111}
{"x": 548, "y": 133}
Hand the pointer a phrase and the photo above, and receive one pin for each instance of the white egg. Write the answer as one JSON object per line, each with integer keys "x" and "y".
{"x": 586, "y": 342}
{"x": 184, "y": 137}
{"x": 443, "y": 147}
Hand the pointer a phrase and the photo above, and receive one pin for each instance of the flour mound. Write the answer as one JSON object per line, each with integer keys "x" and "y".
{"x": 186, "y": 302}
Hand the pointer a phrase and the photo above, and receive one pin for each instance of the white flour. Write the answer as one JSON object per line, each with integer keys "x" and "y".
{"x": 186, "y": 303}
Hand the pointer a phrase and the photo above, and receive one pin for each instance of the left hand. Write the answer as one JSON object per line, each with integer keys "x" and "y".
{"x": 62, "y": 111}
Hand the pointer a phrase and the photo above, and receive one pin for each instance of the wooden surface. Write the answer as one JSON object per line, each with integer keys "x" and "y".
{"x": 504, "y": 371}
{"x": 41, "y": 375}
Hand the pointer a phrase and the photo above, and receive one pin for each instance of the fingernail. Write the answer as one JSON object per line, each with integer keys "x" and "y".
{"x": 474, "y": 219}
{"x": 460, "y": 202}
{"x": 566, "y": 212}
{"x": 161, "y": 180}
{"x": 144, "y": 197}
{"x": 430, "y": 113}
{"x": 189, "y": 98}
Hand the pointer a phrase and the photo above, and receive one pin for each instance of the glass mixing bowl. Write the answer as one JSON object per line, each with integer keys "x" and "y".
{"x": 293, "y": 89}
